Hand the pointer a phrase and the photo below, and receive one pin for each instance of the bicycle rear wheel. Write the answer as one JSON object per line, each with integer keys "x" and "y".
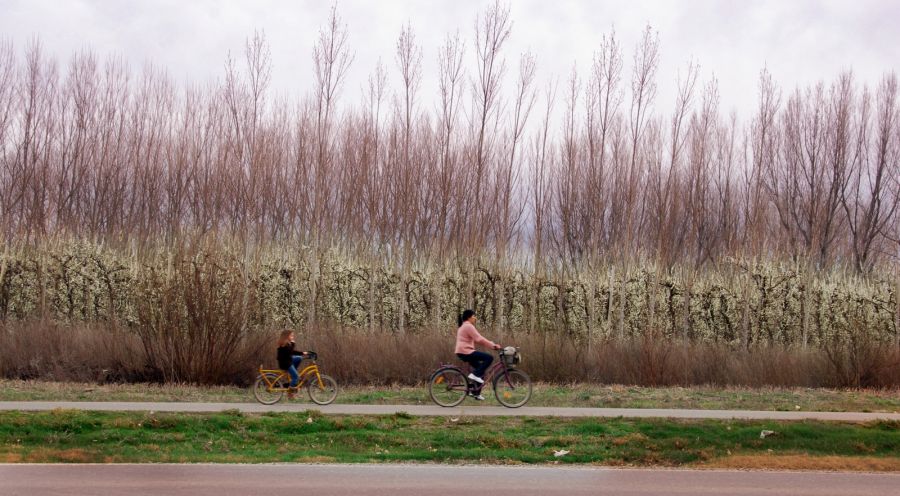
{"x": 512, "y": 389}
{"x": 447, "y": 386}
{"x": 324, "y": 393}
{"x": 269, "y": 395}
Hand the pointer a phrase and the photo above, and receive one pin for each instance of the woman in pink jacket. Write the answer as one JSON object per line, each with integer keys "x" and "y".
{"x": 466, "y": 339}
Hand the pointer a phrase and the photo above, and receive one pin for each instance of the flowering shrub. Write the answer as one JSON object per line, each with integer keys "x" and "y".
{"x": 739, "y": 304}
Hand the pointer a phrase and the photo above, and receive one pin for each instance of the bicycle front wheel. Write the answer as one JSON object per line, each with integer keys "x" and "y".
{"x": 269, "y": 395}
{"x": 447, "y": 386}
{"x": 324, "y": 392}
{"x": 512, "y": 389}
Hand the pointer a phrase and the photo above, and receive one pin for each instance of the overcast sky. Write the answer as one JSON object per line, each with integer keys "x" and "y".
{"x": 800, "y": 41}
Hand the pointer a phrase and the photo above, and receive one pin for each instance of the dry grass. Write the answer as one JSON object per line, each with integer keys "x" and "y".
{"x": 47, "y": 455}
{"x": 109, "y": 354}
{"x": 364, "y": 358}
{"x": 805, "y": 462}
{"x": 315, "y": 459}
{"x": 83, "y": 352}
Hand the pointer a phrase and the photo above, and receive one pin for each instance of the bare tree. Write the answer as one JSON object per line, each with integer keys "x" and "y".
{"x": 332, "y": 59}
{"x": 870, "y": 204}
{"x": 408, "y": 172}
{"x": 491, "y": 33}
{"x": 808, "y": 178}
{"x": 643, "y": 94}
{"x": 603, "y": 99}
{"x": 702, "y": 163}
{"x": 25, "y": 197}
{"x": 507, "y": 175}
{"x": 8, "y": 100}
{"x": 446, "y": 182}
{"x": 765, "y": 138}
{"x": 570, "y": 236}
{"x": 542, "y": 159}
{"x": 665, "y": 199}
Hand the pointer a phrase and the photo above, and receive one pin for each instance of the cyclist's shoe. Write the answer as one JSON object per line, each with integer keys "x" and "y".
{"x": 292, "y": 392}
{"x": 478, "y": 397}
{"x": 473, "y": 377}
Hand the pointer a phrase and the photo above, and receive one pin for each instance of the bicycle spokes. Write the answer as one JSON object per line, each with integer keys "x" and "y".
{"x": 448, "y": 387}
{"x": 322, "y": 390}
{"x": 513, "y": 389}
{"x": 269, "y": 387}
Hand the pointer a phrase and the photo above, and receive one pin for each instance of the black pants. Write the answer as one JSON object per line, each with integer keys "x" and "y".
{"x": 479, "y": 360}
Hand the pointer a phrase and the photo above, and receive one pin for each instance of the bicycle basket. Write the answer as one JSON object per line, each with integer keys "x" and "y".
{"x": 510, "y": 356}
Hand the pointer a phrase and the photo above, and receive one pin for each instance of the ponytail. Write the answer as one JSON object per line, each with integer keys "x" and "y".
{"x": 466, "y": 315}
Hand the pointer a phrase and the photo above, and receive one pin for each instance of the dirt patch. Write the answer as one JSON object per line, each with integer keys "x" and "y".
{"x": 807, "y": 462}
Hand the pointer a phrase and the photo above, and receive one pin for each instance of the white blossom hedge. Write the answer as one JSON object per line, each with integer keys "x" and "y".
{"x": 740, "y": 304}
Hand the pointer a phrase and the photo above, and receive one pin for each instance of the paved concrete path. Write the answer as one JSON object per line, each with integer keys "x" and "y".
{"x": 415, "y": 480}
{"x": 432, "y": 410}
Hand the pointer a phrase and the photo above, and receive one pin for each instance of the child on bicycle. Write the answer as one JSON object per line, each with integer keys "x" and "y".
{"x": 466, "y": 339}
{"x": 289, "y": 358}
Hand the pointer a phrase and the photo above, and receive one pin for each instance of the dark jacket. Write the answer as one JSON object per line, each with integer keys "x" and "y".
{"x": 286, "y": 355}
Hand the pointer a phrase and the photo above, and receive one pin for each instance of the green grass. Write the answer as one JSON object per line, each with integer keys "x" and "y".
{"x": 85, "y": 436}
{"x": 574, "y": 395}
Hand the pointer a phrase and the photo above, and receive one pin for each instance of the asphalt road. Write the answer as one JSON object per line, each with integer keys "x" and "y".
{"x": 416, "y": 480}
{"x": 466, "y": 409}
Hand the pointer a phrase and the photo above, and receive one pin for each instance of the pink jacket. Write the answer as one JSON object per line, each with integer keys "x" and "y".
{"x": 467, "y": 337}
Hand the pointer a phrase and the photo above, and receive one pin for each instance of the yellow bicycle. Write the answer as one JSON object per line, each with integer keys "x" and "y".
{"x": 271, "y": 384}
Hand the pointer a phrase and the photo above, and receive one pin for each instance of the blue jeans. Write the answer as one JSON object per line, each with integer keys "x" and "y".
{"x": 479, "y": 361}
{"x": 295, "y": 377}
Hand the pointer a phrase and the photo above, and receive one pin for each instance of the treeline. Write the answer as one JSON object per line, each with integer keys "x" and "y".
{"x": 168, "y": 222}
{"x": 577, "y": 174}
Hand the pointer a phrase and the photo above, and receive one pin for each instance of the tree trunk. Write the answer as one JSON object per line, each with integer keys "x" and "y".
{"x": 805, "y": 304}
{"x": 652, "y": 284}
{"x": 591, "y": 305}
{"x": 745, "y": 317}
{"x": 434, "y": 287}
{"x": 897, "y": 312}
{"x": 500, "y": 305}
{"x": 620, "y": 311}
{"x": 314, "y": 274}
{"x": 373, "y": 274}
{"x": 686, "y": 317}
{"x": 404, "y": 300}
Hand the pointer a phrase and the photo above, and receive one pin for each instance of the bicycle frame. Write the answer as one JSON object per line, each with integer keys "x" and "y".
{"x": 308, "y": 372}
{"x": 497, "y": 367}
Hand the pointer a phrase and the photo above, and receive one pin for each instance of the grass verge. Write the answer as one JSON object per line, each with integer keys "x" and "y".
{"x": 568, "y": 395}
{"x": 230, "y": 437}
